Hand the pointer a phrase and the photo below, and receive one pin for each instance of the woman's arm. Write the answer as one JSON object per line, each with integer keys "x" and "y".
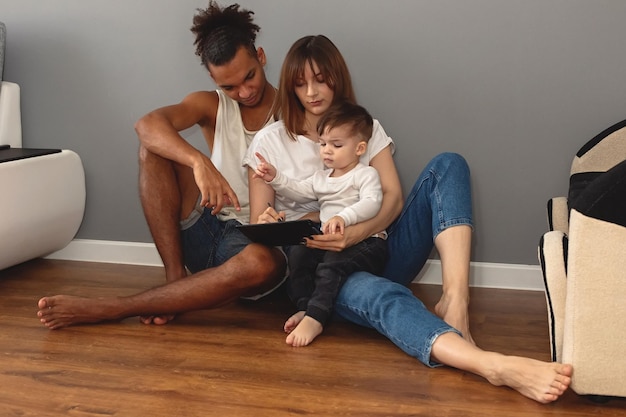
{"x": 390, "y": 209}
{"x": 261, "y": 200}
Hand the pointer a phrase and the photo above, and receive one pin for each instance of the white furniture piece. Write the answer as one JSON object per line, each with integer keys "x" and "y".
{"x": 42, "y": 198}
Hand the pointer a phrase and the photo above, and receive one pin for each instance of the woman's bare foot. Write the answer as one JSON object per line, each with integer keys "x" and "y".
{"x": 304, "y": 333}
{"x": 293, "y": 321}
{"x": 541, "y": 381}
{"x": 455, "y": 313}
{"x": 64, "y": 310}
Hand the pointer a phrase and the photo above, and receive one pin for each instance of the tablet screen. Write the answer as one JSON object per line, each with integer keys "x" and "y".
{"x": 281, "y": 233}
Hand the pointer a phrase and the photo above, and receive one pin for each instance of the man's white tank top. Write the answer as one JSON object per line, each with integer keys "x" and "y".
{"x": 229, "y": 147}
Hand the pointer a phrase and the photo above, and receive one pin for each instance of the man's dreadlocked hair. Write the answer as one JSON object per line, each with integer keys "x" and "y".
{"x": 220, "y": 32}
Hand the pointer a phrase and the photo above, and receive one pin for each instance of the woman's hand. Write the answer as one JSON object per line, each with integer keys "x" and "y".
{"x": 335, "y": 242}
{"x": 271, "y": 216}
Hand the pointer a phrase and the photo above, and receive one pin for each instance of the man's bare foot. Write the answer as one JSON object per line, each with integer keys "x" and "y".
{"x": 158, "y": 320}
{"x": 170, "y": 276}
{"x": 64, "y": 310}
{"x": 304, "y": 333}
{"x": 541, "y": 381}
{"x": 293, "y": 321}
{"x": 455, "y": 313}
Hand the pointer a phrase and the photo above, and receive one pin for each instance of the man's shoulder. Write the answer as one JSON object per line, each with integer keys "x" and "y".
{"x": 203, "y": 96}
{"x": 203, "y": 104}
{"x": 205, "y": 101}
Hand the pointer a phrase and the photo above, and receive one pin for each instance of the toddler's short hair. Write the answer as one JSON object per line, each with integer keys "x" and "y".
{"x": 345, "y": 112}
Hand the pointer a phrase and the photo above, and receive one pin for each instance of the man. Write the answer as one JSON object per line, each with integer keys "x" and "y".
{"x": 191, "y": 202}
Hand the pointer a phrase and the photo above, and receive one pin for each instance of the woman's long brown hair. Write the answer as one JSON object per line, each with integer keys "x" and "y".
{"x": 332, "y": 66}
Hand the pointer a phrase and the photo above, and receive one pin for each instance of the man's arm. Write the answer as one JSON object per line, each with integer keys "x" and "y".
{"x": 158, "y": 131}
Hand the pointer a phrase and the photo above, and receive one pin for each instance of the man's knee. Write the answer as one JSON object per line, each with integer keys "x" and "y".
{"x": 264, "y": 264}
{"x": 149, "y": 161}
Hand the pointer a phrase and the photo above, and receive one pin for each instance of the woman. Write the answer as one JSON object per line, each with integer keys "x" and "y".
{"x": 314, "y": 76}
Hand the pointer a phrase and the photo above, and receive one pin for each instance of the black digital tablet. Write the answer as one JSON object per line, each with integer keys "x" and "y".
{"x": 281, "y": 233}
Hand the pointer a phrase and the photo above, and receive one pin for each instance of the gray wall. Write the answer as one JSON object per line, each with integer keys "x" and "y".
{"x": 515, "y": 86}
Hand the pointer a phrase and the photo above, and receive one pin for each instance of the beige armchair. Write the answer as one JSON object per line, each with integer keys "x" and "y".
{"x": 583, "y": 258}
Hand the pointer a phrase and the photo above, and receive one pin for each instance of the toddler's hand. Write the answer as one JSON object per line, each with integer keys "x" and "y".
{"x": 335, "y": 224}
{"x": 264, "y": 170}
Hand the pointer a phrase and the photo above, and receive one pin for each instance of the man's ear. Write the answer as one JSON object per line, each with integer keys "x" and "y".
{"x": 361, "y": 147}
{"x": 260, "y": 54}
{"x": 208, "y": 68}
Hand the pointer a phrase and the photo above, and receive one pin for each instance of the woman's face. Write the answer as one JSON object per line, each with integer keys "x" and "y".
{"x": 313, "y": 92}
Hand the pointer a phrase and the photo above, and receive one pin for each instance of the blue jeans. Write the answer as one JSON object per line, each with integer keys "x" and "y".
{"x": 440, "y": 198}
{"x": 209, "y": 242}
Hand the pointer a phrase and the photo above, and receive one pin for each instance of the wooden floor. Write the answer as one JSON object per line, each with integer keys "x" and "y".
{"x": 233, "y": 361}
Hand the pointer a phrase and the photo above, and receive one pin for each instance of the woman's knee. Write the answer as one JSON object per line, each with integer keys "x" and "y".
{"x": 450, "y": 161}
{"x": 369, "y": 290}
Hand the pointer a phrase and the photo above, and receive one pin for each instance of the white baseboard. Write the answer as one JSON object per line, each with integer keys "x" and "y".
{"x": 108, "y": 251}
{"x": 482, "y": 274}
{"x": 490, "y": 275}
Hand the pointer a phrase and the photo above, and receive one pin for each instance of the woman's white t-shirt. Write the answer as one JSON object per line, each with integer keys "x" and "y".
{"x": 300, "y": 158}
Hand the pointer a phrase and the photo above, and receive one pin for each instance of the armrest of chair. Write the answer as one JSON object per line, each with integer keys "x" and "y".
{"x": 42, "y": 202}
{"x": 552, "y": 253}
{"x": 594, "y": 327}
{"x": 10, "y": 116}
{"x": 558, "y": 214}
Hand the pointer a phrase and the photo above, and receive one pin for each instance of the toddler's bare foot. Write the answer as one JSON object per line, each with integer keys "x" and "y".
{"x": 64, "y": 310}
{"x": 304, "y": 333}
{"x": 293, "y": 321}
{"x": 455, "y": 313}
{"x": 541, "y": 381}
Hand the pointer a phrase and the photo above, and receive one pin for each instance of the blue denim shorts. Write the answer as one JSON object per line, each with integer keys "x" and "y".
{"x": 209, "y": 242}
